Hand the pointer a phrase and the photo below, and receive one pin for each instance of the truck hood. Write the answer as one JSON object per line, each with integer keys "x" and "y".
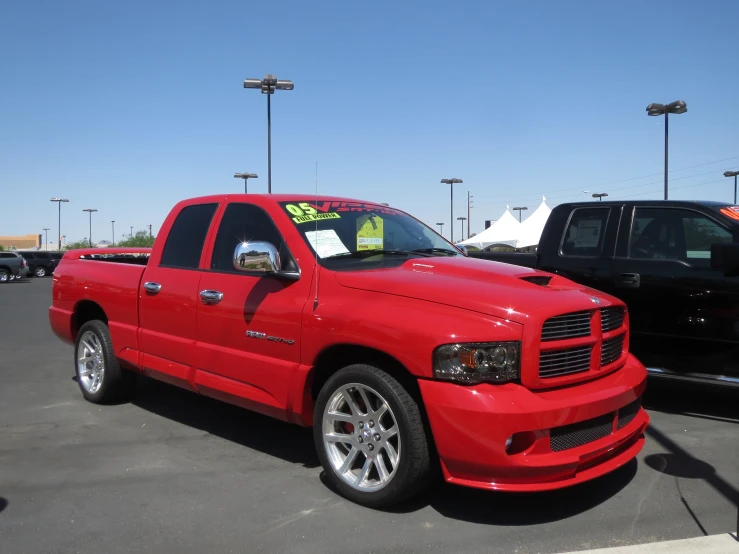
{"x": 492, "y": 288}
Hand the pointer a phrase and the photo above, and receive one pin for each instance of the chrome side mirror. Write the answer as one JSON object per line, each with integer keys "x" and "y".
{"x": 256, "y": 256}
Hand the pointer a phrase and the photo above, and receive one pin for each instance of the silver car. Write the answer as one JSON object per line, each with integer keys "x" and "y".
{"x": 12, "y": 266}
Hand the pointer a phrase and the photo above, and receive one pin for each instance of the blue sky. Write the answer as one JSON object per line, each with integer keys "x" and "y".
{"x": 128, "y": 107}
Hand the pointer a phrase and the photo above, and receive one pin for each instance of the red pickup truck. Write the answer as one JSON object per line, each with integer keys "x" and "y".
{"x": 404, "y": 355}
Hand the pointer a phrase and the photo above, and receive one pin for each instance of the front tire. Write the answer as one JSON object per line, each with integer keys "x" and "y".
{"x": 370, "y": 437}
{"x": 4, "y": 275}
{"x": 99, "y": 375}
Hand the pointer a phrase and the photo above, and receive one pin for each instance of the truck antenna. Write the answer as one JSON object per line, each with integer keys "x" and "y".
{"x": 315, "y": 299}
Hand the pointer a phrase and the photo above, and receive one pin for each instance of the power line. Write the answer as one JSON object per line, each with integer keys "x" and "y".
{"x": 600, "y": 185}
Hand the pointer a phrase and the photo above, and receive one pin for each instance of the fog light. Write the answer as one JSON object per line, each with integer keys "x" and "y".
{"x": 519, "y": 442}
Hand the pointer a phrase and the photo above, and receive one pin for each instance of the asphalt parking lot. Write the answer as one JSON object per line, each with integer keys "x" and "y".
{"x": 174, "y": 472}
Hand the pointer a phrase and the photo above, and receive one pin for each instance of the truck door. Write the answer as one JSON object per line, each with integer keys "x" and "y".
{"x": 683, "y": 313}
{"x": 167, "y": 299}
{"x": 584, "y": 252}
{"x": 248, "y": 323}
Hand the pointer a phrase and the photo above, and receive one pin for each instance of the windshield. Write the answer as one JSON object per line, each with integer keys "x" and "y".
{"x": 355, "y": 235}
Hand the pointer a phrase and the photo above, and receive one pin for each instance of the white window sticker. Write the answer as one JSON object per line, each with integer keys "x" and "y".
{"x": 588, "y": 233}
{"x": 326, "y": 243}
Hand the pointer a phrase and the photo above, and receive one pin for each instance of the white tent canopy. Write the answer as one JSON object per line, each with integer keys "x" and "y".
{"x": 504, "y": 231}
{"x": 532, "y": 227}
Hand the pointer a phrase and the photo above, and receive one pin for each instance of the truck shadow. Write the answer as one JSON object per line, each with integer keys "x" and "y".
{"x": 700, "y": 401}
{"x": 3, "y": 503}
{"x": 289, "y": 442}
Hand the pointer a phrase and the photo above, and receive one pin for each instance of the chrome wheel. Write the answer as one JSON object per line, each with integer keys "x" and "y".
{"x": 360, "y": 434}
{"x": 90, "y": 362}
{"x": 4, "y": 276}
{"x": 39, "y": 272}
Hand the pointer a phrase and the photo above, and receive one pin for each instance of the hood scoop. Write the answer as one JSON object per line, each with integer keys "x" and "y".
{"x": 541, "y": 280}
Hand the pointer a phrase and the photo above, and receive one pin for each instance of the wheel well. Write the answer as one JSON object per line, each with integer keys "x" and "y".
{"x": 84, "y": 311}
{"x": 6, "y": 268}
{"x": 337, "y": 357}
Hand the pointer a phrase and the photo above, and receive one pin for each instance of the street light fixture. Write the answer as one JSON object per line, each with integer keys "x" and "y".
{"x": 441, "y": 228}
{"x": 676, "y": 107}
{"x": 519, "y": 209}
{"x": 732, "y": 174}
{"x": 268, "y": 85}
{"x": 112, "y": 223}
{"x": 46, "y": 238}
{"x": 90, "y": 210}
{"x": 245, "y": 177}
{"x": 600, "y": 195}
{"x": 462, "y": 220}
{"x": 59, "y": 203}
{"x": 451, "y": 183}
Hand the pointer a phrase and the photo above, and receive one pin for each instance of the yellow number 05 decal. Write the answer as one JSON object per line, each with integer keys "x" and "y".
{"x": 302, "y": 209}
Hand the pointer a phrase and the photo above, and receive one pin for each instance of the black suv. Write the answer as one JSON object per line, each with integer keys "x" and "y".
{"x": 40, "y": 264}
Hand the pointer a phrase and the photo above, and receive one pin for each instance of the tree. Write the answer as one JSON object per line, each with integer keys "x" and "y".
{"x": 84, "y": 243}
{"x": 2, "y": 248}
{"x": 140, "y": 240}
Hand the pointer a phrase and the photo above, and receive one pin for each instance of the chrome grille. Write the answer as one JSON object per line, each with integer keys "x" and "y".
{"x": 611, "y": 318}
{"x": 611, "y": 350}
{"x": 566, "y": 326}
{"x": 556, "y": 363}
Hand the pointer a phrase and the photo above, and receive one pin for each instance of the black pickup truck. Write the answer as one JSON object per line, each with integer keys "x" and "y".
{"x": 675, "y": 264}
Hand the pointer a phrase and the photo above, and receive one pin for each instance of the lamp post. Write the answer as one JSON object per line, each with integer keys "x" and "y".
{"x": 451, "y": 182}
{"x": 469, "y": 207}
{"x": 46, "y": 237}
{"x": 268, "y": 85}
{"x": 90, "y": 210}
{"x": 245, "y": 177}
{"x": 732, "y": 174}
{"x": 599, "y": 195}
{"x": 520, "y": 209}
{"x": 441, "y": 228}
{"x": 131, "y": 235}
{"x": 462, "y": 220}
{"x": 676, "y": 107}
{"x": 59, "y": 203}
{"x": 112, "y": 223}
{"x": 149, "y": 230}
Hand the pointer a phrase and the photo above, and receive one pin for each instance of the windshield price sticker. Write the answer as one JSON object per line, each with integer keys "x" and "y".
{"x": 369, "y": 232}
{"x": 304, "y": 212}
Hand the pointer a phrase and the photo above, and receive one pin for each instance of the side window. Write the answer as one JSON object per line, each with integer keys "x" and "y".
{"x": 28, "y": 255}
{"x": 585, "y": 232}
{"x": 246, "y": 222}
{"x": 186, "y": 237}
{"x": 674, "y": 234}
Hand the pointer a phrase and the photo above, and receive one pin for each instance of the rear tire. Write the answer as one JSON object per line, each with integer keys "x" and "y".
{"x": 40, "y": 271}
{"x": 4, "y": 275}
{"x": 370, "y": 437}
{"x": 99, "y": 375}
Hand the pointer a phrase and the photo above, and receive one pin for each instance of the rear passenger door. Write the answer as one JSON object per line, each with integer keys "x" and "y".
{"x": 168, "y": 298}
{"x": 683, "y": 313}
{"x": 249, "y": 339}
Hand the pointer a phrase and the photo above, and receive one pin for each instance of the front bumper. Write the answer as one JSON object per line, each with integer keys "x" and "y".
{"x": 471, "y": 424}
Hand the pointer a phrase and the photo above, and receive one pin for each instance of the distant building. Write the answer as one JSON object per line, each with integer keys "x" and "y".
{"x": 18, "y": 243}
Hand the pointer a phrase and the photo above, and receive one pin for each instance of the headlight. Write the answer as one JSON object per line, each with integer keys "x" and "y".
{"x": 489, "y": 362}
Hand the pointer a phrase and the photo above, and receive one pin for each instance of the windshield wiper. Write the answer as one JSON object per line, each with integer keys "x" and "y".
{"x": 366, "y": 253}
{"x": 435, "y": 250}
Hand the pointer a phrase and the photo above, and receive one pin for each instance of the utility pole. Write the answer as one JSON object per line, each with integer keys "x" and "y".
{"x": 46, "y": 238}
{"x": 149, "y": 230}
{"x": 131, "y": 235}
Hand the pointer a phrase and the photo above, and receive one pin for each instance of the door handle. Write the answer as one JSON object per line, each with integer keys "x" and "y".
{"x": 211, "y": 296}
{"x": 152, "y": 288}
{"x": 629, "y": 280}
